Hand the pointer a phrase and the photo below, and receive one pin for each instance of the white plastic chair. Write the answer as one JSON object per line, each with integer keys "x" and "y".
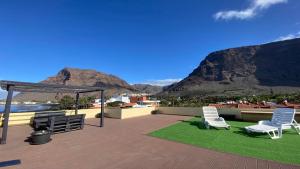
{"x": 211, "y": 118}
{"x": 282, "y": 119}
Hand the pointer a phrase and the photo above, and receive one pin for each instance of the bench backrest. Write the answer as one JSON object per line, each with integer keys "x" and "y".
{"x": 210, "y": 113}
{"x": 49, "y": 114}
{"x": 66, "y": 123}
{"x": 40, "y": 119}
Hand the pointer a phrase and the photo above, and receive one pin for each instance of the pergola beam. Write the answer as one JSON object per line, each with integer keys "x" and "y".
{"x": 47, "y": 88}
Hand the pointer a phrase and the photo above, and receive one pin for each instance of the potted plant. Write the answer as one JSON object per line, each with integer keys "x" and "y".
{"x": 40, "y": 137}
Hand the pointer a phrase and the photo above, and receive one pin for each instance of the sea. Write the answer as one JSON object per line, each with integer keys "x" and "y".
{"x": 18, "y": 108}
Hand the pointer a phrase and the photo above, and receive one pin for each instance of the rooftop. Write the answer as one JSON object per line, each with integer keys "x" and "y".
{"x": 120, "y": 144}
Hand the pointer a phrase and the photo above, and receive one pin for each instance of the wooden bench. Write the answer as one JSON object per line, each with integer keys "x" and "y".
{"x": 58, "y": 124}
{"x": 40, "y": 119}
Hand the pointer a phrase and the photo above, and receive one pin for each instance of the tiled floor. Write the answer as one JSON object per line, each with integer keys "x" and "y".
{"x": 120, "y": 144}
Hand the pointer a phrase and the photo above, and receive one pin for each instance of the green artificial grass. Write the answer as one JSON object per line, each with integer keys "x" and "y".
{"x": 236, "y": 140}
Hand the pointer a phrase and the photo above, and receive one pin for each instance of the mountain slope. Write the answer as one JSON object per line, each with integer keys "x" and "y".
{"x": 80, "y": 77}
{"x": 259, "y": 69}
{"x": 146, "y": 88}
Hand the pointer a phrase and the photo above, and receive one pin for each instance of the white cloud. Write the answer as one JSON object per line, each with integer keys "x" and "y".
{"x": 267, "y": 3}
{"x": 244, "y": 14}
{"x": 255, "y": 7}
{"x": 163, "y": 82}
{"x": 289, "y": 36}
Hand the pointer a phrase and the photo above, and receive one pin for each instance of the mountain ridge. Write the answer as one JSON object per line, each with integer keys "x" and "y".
{"x": 257, "y": 69}
{"x": 79, "y": 77}
{"x": 147, "y": 88}
{"x": 87, "y": 77}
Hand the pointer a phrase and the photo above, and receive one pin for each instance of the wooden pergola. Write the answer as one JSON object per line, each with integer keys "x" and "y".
{"x": 13, "y": 86}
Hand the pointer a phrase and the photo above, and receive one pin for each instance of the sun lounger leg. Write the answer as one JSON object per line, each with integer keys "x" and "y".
{"x": 297, "y": 128}
{"x": 273, "y": 135}
{"x": 207, "y": 126}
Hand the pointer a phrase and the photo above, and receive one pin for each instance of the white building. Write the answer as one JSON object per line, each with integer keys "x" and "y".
{"x": 149, "y": 103}
{"x": 121, "y": 98}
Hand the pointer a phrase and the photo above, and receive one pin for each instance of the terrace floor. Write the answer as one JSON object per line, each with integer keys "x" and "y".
{"x": 120, "y": 144}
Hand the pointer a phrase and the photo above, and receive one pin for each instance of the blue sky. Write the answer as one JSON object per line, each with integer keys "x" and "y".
{"x": 141, "y": 41}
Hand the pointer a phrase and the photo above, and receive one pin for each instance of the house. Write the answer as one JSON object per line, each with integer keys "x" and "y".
{"x": 97, "y": 103}
{"x": 149, "y": 103}
{"x": 129, "y": 105}
{"x": 144, "y": 101}
{"x": 120, "y": 98}
{"x": 136, "y": 99}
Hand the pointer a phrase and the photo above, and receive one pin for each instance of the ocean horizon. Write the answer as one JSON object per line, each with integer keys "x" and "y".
{"x": 18, "y": 108}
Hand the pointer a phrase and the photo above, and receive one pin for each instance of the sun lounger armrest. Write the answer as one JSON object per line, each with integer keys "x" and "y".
{"x": 265, "y": 122}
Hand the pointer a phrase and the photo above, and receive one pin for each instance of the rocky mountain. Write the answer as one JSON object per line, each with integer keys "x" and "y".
{"x": 80, "y": 77}
{"x": 250, "y": 70}
{"x": 146, "y": 88}
{"x": 85, "y": 77}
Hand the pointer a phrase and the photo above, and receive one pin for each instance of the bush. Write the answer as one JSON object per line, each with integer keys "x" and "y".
{"x": 115, "y": 104}
{"x": 66, "y": 102}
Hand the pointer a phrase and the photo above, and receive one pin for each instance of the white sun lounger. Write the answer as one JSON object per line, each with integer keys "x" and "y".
{"x": 273, "y": 132}
{"x": 282, "y": 119}
{"x": 211, "y": 118}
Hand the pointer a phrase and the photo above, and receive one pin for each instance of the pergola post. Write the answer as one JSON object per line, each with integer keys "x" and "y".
{"x": 76, "y": 103}
{"x": 102, "y": 110}
{"x": 6, "y": 113}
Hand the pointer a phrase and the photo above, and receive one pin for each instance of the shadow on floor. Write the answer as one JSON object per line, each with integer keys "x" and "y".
{"x": 238, "y": 130}
{"x": 27, "y": 140}
{"x": 92, "y": 125}
{"x": 10, "y": 163}
{"x": 195, "y": 123}
{"x": 243, "y": 132}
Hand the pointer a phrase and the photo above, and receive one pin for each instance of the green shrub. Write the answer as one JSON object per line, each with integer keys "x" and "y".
{"x": 66, "y": 102}
{"x": 115, "y": 104}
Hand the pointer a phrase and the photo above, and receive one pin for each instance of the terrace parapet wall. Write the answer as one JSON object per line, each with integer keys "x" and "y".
{"x": 27, "y": 117}
{"x": 252, "y": 115}
{"x": 197, "y": 111}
